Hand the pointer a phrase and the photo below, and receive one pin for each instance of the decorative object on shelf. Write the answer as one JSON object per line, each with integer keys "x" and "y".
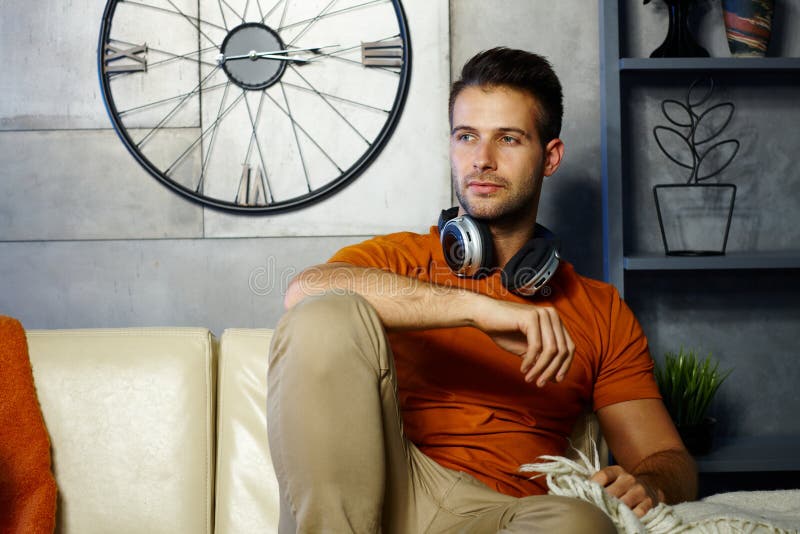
{"x": 688, "y": 384}
{"x": 748, "y": 26}
{"x": 679, "y": 41}
{"x": 695, "y": 217}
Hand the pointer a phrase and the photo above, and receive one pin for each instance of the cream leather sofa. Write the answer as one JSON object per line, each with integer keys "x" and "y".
{"x": 160, "y": 430}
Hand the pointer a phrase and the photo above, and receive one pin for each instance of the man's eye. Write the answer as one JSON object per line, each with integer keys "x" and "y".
{"x": 507, "y": 139}
{"x": 465, "y": 137}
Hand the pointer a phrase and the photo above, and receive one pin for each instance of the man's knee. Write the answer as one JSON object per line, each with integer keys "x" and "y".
{"x": 321, "y": 330}
{"x": 563, "y": 515}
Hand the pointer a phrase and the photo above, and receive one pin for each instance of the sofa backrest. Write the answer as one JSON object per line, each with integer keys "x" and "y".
{"x": 135, "y": 416}
{"x": 130, "y": 413}
{"x": 247, "y": 490}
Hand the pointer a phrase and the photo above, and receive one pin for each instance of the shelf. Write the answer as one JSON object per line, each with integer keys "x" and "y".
{"x": 751, "y": 453}
{"x": 732, "y": 260}
{"x": 710, "y": 63}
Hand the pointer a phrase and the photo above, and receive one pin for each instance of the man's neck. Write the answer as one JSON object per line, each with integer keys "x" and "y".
{"x": 510, "y": 237}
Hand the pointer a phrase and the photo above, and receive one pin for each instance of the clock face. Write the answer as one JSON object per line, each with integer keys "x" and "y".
{"x": 254, "y": 105}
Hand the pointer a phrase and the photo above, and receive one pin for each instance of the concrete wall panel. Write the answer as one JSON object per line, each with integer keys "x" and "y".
{"x": 217, "y": 283}
{"x": 84, "y": 185}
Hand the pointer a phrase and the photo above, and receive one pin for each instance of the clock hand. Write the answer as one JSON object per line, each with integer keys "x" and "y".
{"x": 278, "y": 55}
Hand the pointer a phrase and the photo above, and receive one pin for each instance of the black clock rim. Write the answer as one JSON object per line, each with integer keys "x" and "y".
{"x": 313, "y": 197}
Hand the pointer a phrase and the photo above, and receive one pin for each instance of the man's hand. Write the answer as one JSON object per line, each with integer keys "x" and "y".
{"x": 535, "y": 333}
{"x": 634, "y": 492}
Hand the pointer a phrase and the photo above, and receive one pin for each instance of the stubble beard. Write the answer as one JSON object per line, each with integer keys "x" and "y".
{"x": 499, "y": 212}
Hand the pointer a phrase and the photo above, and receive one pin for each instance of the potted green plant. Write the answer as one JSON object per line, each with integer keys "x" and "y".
{"x": 688, "y": 384}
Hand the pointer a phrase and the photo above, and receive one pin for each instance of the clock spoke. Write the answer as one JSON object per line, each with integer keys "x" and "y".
{"x": 172, "y": 58}
{"x": 254, "y": 140}
{"x": 239, "y": 16}
{"x": 155, "y": 103}
{"x": 178, "y": 106}
{"x": 202, "y": 135}
{"x": 333, "y": 13}
{"x": 222, "y": 14}
{"x": 300, "y": 127}
{"x": 297, "y": 139}
{"x": 260, "y": 10}
{"x": 271, "y": 10}
{"x": 195, "y": 23}
{"x": 334, "y": 97}
{"x": 335, "y": 110}
{"x": 173, "y": 12}
{"x": 310, "y": 23}
{"x": 215, "y": 126}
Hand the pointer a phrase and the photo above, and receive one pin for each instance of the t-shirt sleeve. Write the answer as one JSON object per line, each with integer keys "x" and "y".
{"x": 626, "y": 368}
{"x": 402, "y": 253}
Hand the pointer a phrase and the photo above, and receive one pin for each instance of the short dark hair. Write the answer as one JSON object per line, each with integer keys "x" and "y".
{"x": 520, "y": 70}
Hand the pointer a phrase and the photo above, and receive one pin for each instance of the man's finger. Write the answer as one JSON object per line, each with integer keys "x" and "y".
{"x": 548, "y": 350}
{"x": 533, "y": 336}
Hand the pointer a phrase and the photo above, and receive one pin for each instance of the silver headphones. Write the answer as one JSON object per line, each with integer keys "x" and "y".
{"x": 469, "y": 252}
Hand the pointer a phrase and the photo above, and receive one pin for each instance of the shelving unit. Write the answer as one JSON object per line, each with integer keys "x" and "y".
{"x": 735, "y": 279}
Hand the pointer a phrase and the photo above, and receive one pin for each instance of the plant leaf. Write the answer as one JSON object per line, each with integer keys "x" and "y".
{"x": 699, "y": 92}
{"x": 679, "y": 110}
{"x": 674, "y": 145}
{"x": 724, "y": 152}
{"x": 712, "y": 121}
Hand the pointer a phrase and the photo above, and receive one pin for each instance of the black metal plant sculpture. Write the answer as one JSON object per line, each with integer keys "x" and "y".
{"x": 692, "y": 123}
{"x": 693, "y": 147}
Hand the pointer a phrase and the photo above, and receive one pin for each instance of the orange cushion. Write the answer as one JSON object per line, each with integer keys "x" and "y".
{"x": 27, "y": 485}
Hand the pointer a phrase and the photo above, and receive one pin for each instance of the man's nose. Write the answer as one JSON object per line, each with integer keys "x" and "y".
{"x": 484, "y": 157}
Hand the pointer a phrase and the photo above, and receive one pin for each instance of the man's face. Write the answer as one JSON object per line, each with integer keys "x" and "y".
{"x": 496, "y": 157}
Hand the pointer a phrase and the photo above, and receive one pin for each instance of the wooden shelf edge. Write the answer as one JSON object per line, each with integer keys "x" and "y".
{"x": 731, "y": 260}
{"x": 709, "y": 63}
{"x": 751, "y": 454}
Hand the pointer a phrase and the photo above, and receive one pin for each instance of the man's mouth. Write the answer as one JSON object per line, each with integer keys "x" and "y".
{"x": 482, "y": 187}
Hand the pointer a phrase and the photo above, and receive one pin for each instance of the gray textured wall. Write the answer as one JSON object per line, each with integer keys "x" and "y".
{"x": 87, "y": 238}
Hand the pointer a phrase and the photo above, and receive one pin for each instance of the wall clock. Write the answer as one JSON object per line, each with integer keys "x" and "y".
{"x": 254, "y": 105}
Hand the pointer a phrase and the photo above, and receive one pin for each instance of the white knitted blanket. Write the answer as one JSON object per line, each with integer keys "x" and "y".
{"x": 749, "y": 512}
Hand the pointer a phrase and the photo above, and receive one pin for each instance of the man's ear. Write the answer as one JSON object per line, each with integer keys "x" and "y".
{"x": 553, "y": 153}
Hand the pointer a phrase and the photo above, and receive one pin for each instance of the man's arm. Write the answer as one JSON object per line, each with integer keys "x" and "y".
{"x": 535, "y": 333}
{"x": 653, "y": 464}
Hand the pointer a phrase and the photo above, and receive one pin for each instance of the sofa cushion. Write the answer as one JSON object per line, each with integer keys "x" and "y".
{"x": 247, "y": 490}
{"x": 131, "y": 419}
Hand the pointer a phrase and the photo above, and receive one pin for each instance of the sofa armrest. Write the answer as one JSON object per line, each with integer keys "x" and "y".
{"x": 130, "y": 414}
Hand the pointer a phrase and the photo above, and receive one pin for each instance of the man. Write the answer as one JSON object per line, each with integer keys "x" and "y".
{"x": 403, "y": 398}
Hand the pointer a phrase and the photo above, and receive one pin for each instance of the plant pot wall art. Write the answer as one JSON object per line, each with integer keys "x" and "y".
{"x": 695, "y": 216}
{"x": 679, "y": 41}
{"x": 748, "y": 26}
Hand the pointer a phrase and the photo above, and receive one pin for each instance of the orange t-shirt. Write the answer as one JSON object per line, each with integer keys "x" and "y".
{"x": 465, "y": 402}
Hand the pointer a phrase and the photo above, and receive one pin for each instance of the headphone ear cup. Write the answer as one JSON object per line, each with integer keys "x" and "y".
{"x": 527, "y": 264}
{"x": 467, "y": 246}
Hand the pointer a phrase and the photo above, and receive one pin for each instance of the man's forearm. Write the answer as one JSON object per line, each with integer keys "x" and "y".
{"x": 401, "y": 302}
{"x": 673, "y": 473}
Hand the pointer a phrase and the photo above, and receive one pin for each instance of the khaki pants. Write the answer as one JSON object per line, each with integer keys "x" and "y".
{"x": 337, "y": 443}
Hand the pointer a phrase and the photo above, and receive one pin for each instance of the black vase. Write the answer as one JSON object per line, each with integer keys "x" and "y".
{"x": 679, "y": 42}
